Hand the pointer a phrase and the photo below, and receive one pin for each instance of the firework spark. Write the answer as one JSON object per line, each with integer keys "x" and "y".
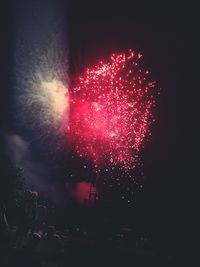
{"x": 111, "y": 111}
{"x": 54, "y": 95}
{"x": 42, "y": 98}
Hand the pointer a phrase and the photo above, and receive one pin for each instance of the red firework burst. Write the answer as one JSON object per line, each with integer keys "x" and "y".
{"x": 111, "y": 111}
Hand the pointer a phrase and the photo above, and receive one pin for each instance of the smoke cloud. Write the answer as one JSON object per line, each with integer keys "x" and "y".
{"x": 18, "y": 152}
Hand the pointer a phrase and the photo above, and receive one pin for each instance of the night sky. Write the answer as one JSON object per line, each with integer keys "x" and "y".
{"x": 166, "y": 34}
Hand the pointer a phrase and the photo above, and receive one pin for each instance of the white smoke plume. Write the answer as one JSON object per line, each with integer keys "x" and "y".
{"x": 17, "y": 150}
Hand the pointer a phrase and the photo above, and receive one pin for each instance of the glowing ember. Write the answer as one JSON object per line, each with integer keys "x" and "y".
{"x": 111, "y": 111}
{"x": 81, "y": 192}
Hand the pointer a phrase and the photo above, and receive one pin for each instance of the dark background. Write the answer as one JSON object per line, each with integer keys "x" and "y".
{"x": 166, "y": 32}
{"x": 167, "y": 35}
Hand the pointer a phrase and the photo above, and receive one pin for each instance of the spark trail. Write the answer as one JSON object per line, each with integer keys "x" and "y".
{"x": 111, "y": 112}
{"x": 42, "y": 98}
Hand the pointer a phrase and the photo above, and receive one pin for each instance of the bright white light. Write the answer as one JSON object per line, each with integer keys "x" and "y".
{"x": 45, "y": 102}
{"x": 56, "y": 96}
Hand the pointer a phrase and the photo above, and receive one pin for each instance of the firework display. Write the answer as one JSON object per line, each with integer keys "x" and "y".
{"x": 111, "y": 112}
{"x": 42, "y": 98}
{"x": 105, "y": 115}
